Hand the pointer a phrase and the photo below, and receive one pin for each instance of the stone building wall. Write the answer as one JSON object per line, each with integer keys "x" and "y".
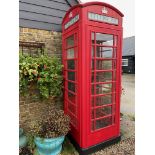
{"x": 52, "y": 40}
{"x": 30, "y": 109}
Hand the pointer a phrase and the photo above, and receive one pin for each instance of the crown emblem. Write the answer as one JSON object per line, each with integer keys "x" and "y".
{"x": 70, "y": 15}
{"x": 104, "y": 10}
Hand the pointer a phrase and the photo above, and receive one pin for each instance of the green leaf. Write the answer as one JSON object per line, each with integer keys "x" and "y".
{"x": 44, "y": 71}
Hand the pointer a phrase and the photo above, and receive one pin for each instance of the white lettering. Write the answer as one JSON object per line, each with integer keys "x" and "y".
{"x": 102, "y": 18}
{"x": 72, "y": 21}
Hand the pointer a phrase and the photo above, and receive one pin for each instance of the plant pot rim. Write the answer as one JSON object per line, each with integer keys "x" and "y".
{"x": 20, "y": 131}
{"x": 49, "y": 139}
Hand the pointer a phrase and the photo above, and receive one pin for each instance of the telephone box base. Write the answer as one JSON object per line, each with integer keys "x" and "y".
{"x": 94, "y": 148}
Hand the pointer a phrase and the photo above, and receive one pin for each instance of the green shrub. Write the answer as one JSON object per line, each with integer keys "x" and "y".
{"x": 45, "y": 73}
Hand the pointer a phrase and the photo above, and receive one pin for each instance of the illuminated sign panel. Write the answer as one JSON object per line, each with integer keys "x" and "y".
{"x": 72, "y": 21}
{"x": 102, "y": 18}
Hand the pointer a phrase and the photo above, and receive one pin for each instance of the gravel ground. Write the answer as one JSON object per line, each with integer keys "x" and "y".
{"x": 125, "y": 147}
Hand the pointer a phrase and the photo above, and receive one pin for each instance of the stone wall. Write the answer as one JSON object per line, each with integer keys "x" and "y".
{"x": 52, "y": 40}
{"x": 29, "y": 108}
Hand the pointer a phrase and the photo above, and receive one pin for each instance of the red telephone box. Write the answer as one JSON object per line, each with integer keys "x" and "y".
{"x": 92, "y": 52}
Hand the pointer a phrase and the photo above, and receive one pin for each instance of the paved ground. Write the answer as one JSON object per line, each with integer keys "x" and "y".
{"x": 128, "y": 96}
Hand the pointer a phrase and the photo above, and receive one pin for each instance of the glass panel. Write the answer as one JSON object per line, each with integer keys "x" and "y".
{"x": 70, "y": 53}
{"x": 92, "y": 89}
{"x": 103, "y": 100}
{"x": 92, "y": 77}
{"x": 95, "y": 16}
{"x": 105, "y": 64}
{"x": 71, "y": 97}
{"x": 72, "y": 117}
{"x": 93, "y": 114}
{"x": 92, "y": 101}
{"x": 71, "y": 76}
{"x": 71, "y": 86}
{"x": 103, "y": 122}
{"x": 71, "y": 64}
{"x": 104, "y": 52}
{"x": 104, "y": 39}
{"x": 93, "y": 38}
{"x": 103, "y": 88}
{"x": 103, "y": 76}
{"x": 92, "y": 64}
{"x": 73, "y": 120}
{"x": 75, "y": 39}
{"x": 92, "y": 125}
{"x": 70, "y": 41}
{"x": 100, "y": 112}
{"x": 92, "y": 51}
{"x": 72, "y": 108}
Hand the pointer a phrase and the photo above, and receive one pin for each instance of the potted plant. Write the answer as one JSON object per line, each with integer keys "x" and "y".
{"x": 49, "y": 133}
{"x": 22, "y": 138}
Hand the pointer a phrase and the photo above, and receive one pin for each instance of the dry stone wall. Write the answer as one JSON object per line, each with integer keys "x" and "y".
{"x": 52, "y": 39}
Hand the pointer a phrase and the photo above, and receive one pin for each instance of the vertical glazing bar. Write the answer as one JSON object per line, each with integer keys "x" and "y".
{"x": 75, "y": 61}
{"x": 113, "y": 54}
{"x": 65, "y": 73}
{"x": 113, "y": 79}
{"x": 93, "y": 75}
{"x": 95, "y": 80}
{"x": 91, "y": 81}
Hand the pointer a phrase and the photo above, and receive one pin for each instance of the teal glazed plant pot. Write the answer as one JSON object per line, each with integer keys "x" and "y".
{"x": 49, "y": 146}
{"x": 22, "y": 138}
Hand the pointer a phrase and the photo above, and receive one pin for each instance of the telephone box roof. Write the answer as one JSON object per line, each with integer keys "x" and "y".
{"x": 93, "y": 3}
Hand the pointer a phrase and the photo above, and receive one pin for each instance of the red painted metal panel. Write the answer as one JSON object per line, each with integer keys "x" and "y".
{"x": 94, "y": 100}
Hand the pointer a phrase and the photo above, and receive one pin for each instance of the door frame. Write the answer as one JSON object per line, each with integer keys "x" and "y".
{"x": 113, "y": 130}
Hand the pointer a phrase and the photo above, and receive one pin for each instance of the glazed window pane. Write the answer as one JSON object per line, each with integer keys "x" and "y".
{"x": 70, "y": 41}
{"x": 104, "y": 39}
{"x": 71, "y": 64}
